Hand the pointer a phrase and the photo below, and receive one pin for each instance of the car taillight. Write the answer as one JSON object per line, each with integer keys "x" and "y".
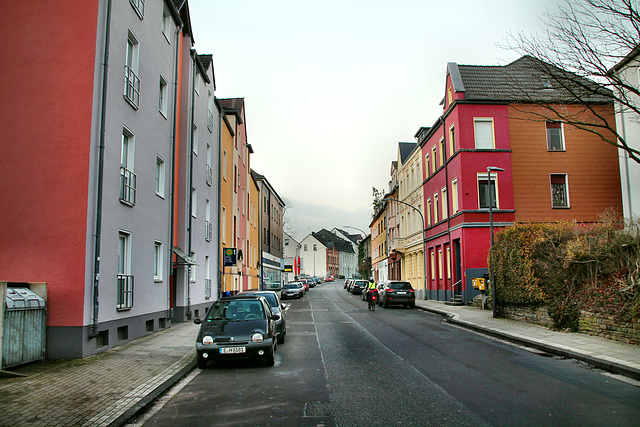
{"x": 411, "y": 290}
{"x": 389, "y": 290}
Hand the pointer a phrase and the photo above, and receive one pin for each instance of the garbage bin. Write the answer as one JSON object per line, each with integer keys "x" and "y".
{"x": 24, "y": 328}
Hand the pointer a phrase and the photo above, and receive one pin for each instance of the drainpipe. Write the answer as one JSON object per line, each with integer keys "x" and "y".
{"x": 93, "y": 333}
{"x": 191, "y": 140}
{"x": 220, "y": 272}
{"x": 446, "y": 177}
{"x": 173, "y": 169}
{"x": 626, "y": 164}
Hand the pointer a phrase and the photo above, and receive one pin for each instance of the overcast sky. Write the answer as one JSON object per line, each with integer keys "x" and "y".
{"x": 332, "y": 86}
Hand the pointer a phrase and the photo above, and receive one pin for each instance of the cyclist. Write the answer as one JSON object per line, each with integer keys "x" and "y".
{"x": 371, "y": 287}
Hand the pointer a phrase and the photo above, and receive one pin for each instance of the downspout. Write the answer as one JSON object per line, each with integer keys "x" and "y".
{"x": 173, "y": 171}
{"x": 220, "y": 231}
{"x": 193, "y": 100}
{"x": 446, "y": 177}
{"x": 626, "y": 164}
{"x": 93, "y": 333}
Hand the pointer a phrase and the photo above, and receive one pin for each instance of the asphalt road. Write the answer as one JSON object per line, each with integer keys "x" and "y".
{"x": 343, "y": 365}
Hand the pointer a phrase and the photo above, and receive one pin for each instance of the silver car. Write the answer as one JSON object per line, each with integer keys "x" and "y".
{"x": 292, "y": 290}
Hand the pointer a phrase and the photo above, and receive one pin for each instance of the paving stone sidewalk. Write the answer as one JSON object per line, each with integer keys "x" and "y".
{"x": 101, "y": 390}
{"x": 612, "y": 356}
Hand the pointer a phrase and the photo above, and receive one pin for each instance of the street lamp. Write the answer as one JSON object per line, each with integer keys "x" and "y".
{"x": 493, "y": 284}
{"x": 363, "y": 236}
{"x": 315, "y": 248}
{"x": 424, "y": 245}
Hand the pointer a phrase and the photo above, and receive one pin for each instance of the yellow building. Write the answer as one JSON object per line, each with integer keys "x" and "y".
{"x": 379, "y": 245}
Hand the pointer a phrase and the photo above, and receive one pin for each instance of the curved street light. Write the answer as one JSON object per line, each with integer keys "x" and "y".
{"x": 363, "y": 237}
{"x": 424, "y": 245}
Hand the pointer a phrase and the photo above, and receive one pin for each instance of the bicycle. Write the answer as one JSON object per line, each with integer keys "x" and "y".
{"x": 372, "y": 300}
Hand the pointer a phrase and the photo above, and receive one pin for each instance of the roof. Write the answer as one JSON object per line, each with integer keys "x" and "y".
{"x": 233, "y": 106}
{"x": 262, "y": 179}
{"x": 406, "y": 148}
{"x": 526, "y": 79}
{"x": 332, "y": 241}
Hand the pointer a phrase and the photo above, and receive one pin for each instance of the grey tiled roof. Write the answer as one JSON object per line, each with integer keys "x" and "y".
{"x": 406, "y": 148}
{"x": 332, "y": 241}
{"x": 528, "y": 80}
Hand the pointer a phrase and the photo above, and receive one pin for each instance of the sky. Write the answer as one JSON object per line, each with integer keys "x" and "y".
{"x": 332, "y": 86}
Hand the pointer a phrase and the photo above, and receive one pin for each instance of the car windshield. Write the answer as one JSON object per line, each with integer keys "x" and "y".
{"x": 236, "y": 310}
{"x": 271, "y": 299}
{"x": 400, "y": 286}
{"x": 291, "y": 286}
{"x": 361, "y": 283}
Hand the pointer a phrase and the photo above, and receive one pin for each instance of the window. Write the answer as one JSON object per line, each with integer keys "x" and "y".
{"x": 450, "y": 95}
{"x": 442, "y": 151}
{"x": 440, "y": 269}
{"x": 224, "y": 225}
{"x": 429, "y": 211}
{"x": 138, "y": 6}
{"x": 207, "y": 277}
{"x": 448, "y": 262}
{"x": 166, "y": 24}
{"x": 433, "y": 265}
{"x": 194, "y": 201}
{"x": 209, "y": 111}
{"x": 209, "y": 168}
{"x": 131, "y": 80}
{"x": 124, "y": 299}
{"x": 452, "y": 140}
{"x": 454, "y": 195}
{"x": 483, "y": 131}
{"x": 559, "y": 191}
{"x": 445, "y": 210}
{"x": 486, "y": 191}
{"x": 555, "y": 136}
{"x": 164, "y": 93}
{"x": 436, "y": 206}
{"x": 433, "y": 155}
{"x": 305, "y": 248}
{"x": 208, "y": 234}
{"x": 196, "y": 84}
{"x": 158, "y": 263}
{"x": 426, "y": 163}
{"x": 160, "y": 174}
{"x": 127, "y": 177}
{"x": 195, "y": 140}
{"x": 224, "y": 165}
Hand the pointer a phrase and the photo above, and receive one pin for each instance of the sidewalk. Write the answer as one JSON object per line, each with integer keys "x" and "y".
{"x": 108, "y": 389}
{"x": 101, "y": 390}
{"x": 609, "y": 355}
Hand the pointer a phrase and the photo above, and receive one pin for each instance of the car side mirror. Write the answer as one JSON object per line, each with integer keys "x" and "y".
{"x": 275, "y": 317}
{"x": 197, "y": 321}
{"x": 283, "y": 306}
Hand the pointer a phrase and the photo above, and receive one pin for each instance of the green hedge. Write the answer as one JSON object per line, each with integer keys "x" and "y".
{"x": 570, "y": 267}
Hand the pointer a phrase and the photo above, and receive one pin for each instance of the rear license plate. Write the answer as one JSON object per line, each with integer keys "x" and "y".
{"x": 402, "y": 293}
{"x": 233, "y": 350}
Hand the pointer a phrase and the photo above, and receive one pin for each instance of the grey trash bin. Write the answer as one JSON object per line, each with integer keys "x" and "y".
{"x": 24, "y": 328}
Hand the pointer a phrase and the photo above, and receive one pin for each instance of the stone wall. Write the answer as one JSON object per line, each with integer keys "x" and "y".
{"x": 590, "y": 323}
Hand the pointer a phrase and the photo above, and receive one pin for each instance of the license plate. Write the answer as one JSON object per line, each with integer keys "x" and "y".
{"x": 402, "y": 293}
{"x": 233, "y": 350}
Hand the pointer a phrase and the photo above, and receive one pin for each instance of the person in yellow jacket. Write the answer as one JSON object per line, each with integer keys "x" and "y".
{"x": 371, "y": 287}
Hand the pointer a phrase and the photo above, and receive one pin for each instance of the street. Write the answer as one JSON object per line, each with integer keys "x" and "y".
{"x": 343, "y": 365}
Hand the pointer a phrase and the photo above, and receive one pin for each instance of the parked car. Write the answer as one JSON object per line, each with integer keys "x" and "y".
{"x": 241, "y": 326}
{"x": 396, "y": 292}
{"x": 316, "y": 281}
{"x": 329, "y": 278}
{"x": 292, "y": 290}
{"x": 346, "y": 283}
{"x": 358, "y": 285}
{"x": 277, "y": 307}
{"x": 305, "y": 282}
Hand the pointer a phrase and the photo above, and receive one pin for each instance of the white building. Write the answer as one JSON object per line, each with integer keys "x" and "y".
{"x": 291, "y": 253}
{"x": 313, "y": 256}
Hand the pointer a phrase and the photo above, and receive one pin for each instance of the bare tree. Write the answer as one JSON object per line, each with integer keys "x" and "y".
{"x": 287, "y": 225}
{"x": 578, "y": 50}
{"x": 377, "y": 201}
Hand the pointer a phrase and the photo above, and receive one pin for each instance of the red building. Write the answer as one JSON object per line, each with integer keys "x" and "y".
{"x": 548, "y": 171}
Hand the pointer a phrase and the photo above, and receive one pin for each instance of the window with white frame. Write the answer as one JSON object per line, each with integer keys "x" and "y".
{"x": 210, "y": 111}
{"x": 483, "y": 132}
{"x": 445, "y": 209}
{"x": 429, "y": 211}
{"x": 436, "y": 207}
{"x": 131, "y": 80}
{"x": 434, "y": 159}
{"x": 194, "y": 201}
{"x": 224, "y": 165}
{"x": 454, "y": 195}
{"x": 163, "y": 97}
{"x": 166, "y": 24}
{"x": 195, "y": 139}
{"x": 207, "y": 277}
{"x": 208, "y": 235}
{"x": 209, "y": 167}
{"x": 127, "y": 176}
{"x": 138, "y": 6}
{"x": 442, "y": 151}
{"x": 160, "y": 176}
{"x": 452, "y": 140}
{"x": 559, "y": 191}
{"x": 224, "y": 225}
{"x": 555, "y": 136}
{"x": 487, "y": 190}
{"x": 192, "y": 268}
{"x": 158, "y": 261}
{"x": 124, "y": 297}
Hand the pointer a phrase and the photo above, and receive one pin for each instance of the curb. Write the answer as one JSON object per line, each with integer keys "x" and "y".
{"x": 614, "y": 367}
{"x": 130, "y": 413}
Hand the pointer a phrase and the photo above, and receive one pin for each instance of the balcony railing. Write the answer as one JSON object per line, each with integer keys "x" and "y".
{"x": 208, "y": 232}
{"x": 209, "y": 175}
{"x": 131, "y": 87}
{"x": 125, "y": 292}
{"x": 127, "y": 186}
{"x": 210, "y": 120}
{"x": 398, "y": 244}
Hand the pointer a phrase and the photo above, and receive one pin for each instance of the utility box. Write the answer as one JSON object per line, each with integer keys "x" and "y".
{"x": 479, "y": 283}
{"x": 23, "y": 327}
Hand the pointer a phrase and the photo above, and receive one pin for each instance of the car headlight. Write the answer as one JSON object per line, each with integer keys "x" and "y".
{"x": 207, "y": 340}
{"x": 257, "y": 338}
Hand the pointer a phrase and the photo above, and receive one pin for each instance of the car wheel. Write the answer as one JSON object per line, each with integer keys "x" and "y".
{"x": 385, "y": 304}
{"x": 281, "y": 339}
{"x": 202, "y": 362}
{"x": 269, "y": 359}
{"x": 412, "y": 306}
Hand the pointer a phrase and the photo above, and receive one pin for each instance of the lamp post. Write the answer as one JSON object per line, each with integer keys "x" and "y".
{"x": 363, "y": 236}
{"x": 424, "y": 245}
{"x": 493, "y": 284}
{"x": 315, "y": 248}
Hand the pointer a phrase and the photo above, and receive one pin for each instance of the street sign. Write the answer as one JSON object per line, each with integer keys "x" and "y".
{"x": 229, "y": 257}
